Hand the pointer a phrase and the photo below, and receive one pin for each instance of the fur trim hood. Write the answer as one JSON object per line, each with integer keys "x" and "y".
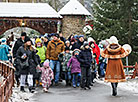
{"x": 114, "y": 51}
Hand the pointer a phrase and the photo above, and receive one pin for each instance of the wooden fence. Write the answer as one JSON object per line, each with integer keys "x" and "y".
{"x": 6, "y": 85}
{"x": 135, "y": 72}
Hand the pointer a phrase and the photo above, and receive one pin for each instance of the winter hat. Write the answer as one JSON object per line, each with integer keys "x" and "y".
{"x": 27, "y": 39}
{"x": 46, "y": 36}
{"x": 75, "y": 51}
{"x": 57, "y": 35}
{"x": 3, "y": 40}
{"x": 90, "y": 39}
{"x": 38, "y": 40}
{"x": 46, "y": 64}
{"x": 75, "y": 36}
{"x": 72, "y": 40}
{"x": 113, "y": 40}
{"x": 91, "y": 42}
{"x": 23, "y": 34}
{"x": 67, "y": 42}
{"x": 81, "y": 36}
{"x": 85, "y": 44}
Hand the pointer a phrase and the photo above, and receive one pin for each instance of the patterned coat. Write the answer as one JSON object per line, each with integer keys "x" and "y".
{"x": 114, "y": 71}
{"x": 66, "y": 58}
{"x": 47, "y": 76}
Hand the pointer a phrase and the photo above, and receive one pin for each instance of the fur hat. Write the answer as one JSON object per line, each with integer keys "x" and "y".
{"x": 113, "y": 40}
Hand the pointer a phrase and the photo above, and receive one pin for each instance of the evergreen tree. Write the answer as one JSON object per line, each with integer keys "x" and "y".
{"x": 118, "y": 18}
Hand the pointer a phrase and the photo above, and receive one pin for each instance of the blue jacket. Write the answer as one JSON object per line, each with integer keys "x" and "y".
{"x": 4, "y": 51}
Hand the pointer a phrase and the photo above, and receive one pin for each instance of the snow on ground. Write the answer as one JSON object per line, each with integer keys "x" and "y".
{"x": 130, "y": 85}
{"x": 19, "y": 96}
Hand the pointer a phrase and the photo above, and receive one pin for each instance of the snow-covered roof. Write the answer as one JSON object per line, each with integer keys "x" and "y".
{"x": 34, "y": 10}
{"x": 74, "y": 7}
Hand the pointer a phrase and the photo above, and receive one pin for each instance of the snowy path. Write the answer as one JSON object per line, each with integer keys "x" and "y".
{"x": 127, "y": 91}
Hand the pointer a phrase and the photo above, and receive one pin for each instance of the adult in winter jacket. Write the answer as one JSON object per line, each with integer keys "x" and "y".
{"x": 16, "y": 46}
{"x": 114, "y": 71}
{"x": 28, "y": 62}
{"x": 79, "y": 43}
{"x": 18, "y": 43}
{"x": 4, "y": 50}
{"x": 54, "y": 48}
{"x": 85, "y": 59}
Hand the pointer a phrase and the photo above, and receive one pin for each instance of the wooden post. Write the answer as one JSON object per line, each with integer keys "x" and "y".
{"x": 135, "y": 73}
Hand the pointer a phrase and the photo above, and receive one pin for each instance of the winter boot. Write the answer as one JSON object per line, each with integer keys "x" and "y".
{"x": 22, "y": 89}
{"x": 67, "y": 83}
{"x": 88, "y": 87}
{"x": 31, "y": 89}
{"x": 114, "y": 93}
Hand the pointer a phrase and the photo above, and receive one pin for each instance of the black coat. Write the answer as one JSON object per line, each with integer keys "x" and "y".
{"x": 85, "y": 58}
{"x": 32, "y": 60}
{"x": 17, "y": 44}
{"x": 77, "y": 45}
{"x": 63, "y": 39}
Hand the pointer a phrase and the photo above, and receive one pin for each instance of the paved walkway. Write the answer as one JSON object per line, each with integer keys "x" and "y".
{"x": 98, "y": 93}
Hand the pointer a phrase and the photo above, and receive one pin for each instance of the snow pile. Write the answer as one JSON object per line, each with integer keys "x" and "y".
{"x": 1, "y": 79}
{"x": 19, "y": 96}
{"x": 130, "y": 85}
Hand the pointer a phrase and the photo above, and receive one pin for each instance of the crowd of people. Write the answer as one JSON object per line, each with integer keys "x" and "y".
{"x": 51, "y": 58}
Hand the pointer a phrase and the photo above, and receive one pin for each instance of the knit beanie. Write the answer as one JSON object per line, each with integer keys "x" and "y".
{"x": 38, "y": 40}
{"x": 23, "y": 34}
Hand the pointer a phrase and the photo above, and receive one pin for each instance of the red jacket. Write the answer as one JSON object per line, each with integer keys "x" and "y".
{"x": 96, "y": 50}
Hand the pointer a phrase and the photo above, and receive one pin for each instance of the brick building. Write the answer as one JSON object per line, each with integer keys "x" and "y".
{"x": 74, "y": 15}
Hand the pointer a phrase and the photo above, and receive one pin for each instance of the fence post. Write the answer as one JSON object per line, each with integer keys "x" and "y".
{"x": 127, "y": 65}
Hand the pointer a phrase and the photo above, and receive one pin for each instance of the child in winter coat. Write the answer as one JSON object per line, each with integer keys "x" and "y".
{"x": 47, "y": 76}
{"x": 75, "y": 68}
{"x": 65, "y": 70}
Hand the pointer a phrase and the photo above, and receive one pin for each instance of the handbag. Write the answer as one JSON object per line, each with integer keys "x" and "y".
{"x": 24, "y": 64}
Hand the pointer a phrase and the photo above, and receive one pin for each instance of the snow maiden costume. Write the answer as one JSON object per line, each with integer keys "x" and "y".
{"x": 114, "y": 71}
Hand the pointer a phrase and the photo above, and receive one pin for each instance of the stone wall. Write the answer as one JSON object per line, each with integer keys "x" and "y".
{"x": 72, "y": 25}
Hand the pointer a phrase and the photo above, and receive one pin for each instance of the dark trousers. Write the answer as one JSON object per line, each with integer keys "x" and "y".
{"x": 86, "y": 77}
